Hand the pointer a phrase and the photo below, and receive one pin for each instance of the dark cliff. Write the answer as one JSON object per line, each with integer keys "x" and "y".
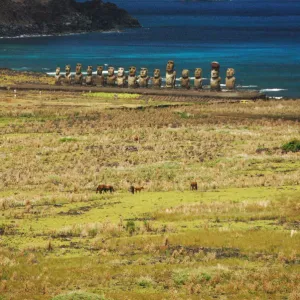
{"x": 22, "y": 17}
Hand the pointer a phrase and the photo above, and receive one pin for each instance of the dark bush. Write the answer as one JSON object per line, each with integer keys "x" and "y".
{"x": 292, "y": 146}
{"x": 130, "y": 227}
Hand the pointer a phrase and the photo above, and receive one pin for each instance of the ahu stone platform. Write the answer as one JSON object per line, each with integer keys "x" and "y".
{"x": 195, "y": 94}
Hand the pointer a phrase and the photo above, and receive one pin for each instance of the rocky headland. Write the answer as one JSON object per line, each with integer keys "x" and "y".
{"x": 50, "y": 17}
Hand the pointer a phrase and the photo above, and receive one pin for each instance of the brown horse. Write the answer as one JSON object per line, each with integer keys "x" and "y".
{"x": 138, "y": 189}
{"x": 104, "y": 188}
{"x": 131, "y": 189}
{"x": 194, "y": 186}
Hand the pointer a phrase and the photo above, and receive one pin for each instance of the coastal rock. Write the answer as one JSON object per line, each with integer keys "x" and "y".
{"x": 47, "y": 17}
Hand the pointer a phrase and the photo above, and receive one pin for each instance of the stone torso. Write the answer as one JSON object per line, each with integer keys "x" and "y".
{"x": 156, "y": 79}
{"x": 215, "y": 81}
{"x": 111, "y": 80}
{"x": 78, "y": 79}
{"x": 99, "y": 80}
{"x": 156, "y": 82}
{"x": 58, "y": 77}
{"x": 230, "y": 83}
{"x": 143, "y": 81}
{"x": 89, "y": 80}
{"x": 68, "y": 79}
{"x": 198, "y": 83}
{"x": 230, "y": 79}
{"x": 121, "y": 81}
{"x": 215, "y": 84}
{"x": 170, "y": 79}
{"x": 132, "y": 81}
{"x": 185, "y": 79}
{"x": 143, "y": 78}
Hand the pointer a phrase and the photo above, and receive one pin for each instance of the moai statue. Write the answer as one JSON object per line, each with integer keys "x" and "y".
{"x": 185, "y": 79}
{"x": 58, "y": 77}
{"x": 215, "y": 81}
{"x": 156, "y": 79}
{"x": 78, "y": 79}
{"x": 121, "y": 78}
{"x": 143, "y": 78}
{"x": 170, "y": 75}
{"x": 111, "y": 77}
{"x": 89, "y": 80}
{"x": 132, "y": 78}
{"x": 68, "y": 77}
{"x": 198, "y": 79}
{"x": 99, "y": 78}
{"x": 230, "y": 79}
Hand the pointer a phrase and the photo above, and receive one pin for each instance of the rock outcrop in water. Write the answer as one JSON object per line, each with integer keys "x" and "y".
{"x": 31, "y": 17}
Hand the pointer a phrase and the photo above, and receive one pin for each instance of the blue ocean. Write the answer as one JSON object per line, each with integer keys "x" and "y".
{"x": 259, "y": 39}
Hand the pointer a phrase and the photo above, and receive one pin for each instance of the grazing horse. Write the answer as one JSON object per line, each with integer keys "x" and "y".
{"x": 131, "y": 189}
{"x": 104, "y": 188}
{"x": 194, "y": 186}
{"x": 138, "y": 189}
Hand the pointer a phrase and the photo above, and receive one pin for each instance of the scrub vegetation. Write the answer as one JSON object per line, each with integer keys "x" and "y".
{"x": 236, "y": 237}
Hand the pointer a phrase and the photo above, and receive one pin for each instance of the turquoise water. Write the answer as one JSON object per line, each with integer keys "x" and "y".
{"x": 260, "y": 40}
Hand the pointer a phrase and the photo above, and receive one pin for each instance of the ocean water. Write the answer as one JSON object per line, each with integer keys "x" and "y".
{"x": 259, "y": 39}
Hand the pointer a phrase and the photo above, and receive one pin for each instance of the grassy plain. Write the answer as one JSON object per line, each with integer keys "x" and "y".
{"x": 235, "y": 238}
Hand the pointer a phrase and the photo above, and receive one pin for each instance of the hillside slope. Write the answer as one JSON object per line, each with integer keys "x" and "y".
{"x": 18, "y": 17}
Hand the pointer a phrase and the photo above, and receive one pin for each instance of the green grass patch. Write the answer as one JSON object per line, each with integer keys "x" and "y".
{"x": 68, "y": 139}
{"x": 115, "y": 96}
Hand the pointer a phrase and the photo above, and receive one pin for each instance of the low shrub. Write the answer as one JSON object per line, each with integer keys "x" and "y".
{"x": 291, "y": 146}
{"x": 145, "y": 282}
{"x": 130, "y": 227}
{"x": 180, "y": 277}
{"x": 68, "y": 139}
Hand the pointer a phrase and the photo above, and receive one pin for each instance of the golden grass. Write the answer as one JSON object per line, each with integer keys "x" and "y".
{"x": 237, "y": 237}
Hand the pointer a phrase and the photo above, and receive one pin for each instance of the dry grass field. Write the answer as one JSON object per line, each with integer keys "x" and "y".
{"x": 236, "y": 237}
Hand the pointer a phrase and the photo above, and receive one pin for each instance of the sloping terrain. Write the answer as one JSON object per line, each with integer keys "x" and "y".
{"x": 18, "y": 17}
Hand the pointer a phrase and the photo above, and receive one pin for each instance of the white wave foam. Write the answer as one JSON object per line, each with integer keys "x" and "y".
{"x": 272, "y": 90}
{"x": 247, "y": 86}
{"x": 276, "y": 98}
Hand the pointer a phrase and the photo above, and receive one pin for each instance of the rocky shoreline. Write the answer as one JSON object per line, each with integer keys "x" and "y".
{"x": 54, "y": 17}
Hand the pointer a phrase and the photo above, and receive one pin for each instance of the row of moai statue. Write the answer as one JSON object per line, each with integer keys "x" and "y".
{"x": 133, "y": 81}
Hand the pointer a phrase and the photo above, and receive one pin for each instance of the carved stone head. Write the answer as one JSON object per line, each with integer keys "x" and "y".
{"x": 156, "y": 73}
{"x": 185, "y": 73}
{"x": 198, "y": 73}
{"x": 215, "y": 66}
{"x": 68, "y": 69}
{"x": 99, "y": 70}
{"x": 214, "y": 74}
{"x": 132, "y": 71}
{"x": 170, "y": 66}
{"x": 121, "y": 72}
{"x": 144, "y": 72}
{"x": 89, "y": 70}
{"x": 57, "y": 71}
{"x": 78, "y": 69}
{"x": 111, "y": 71}
{"x": 230, "y": 72}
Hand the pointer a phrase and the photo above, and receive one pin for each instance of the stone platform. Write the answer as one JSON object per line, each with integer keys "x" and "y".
{"x": 201, "y": 94}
